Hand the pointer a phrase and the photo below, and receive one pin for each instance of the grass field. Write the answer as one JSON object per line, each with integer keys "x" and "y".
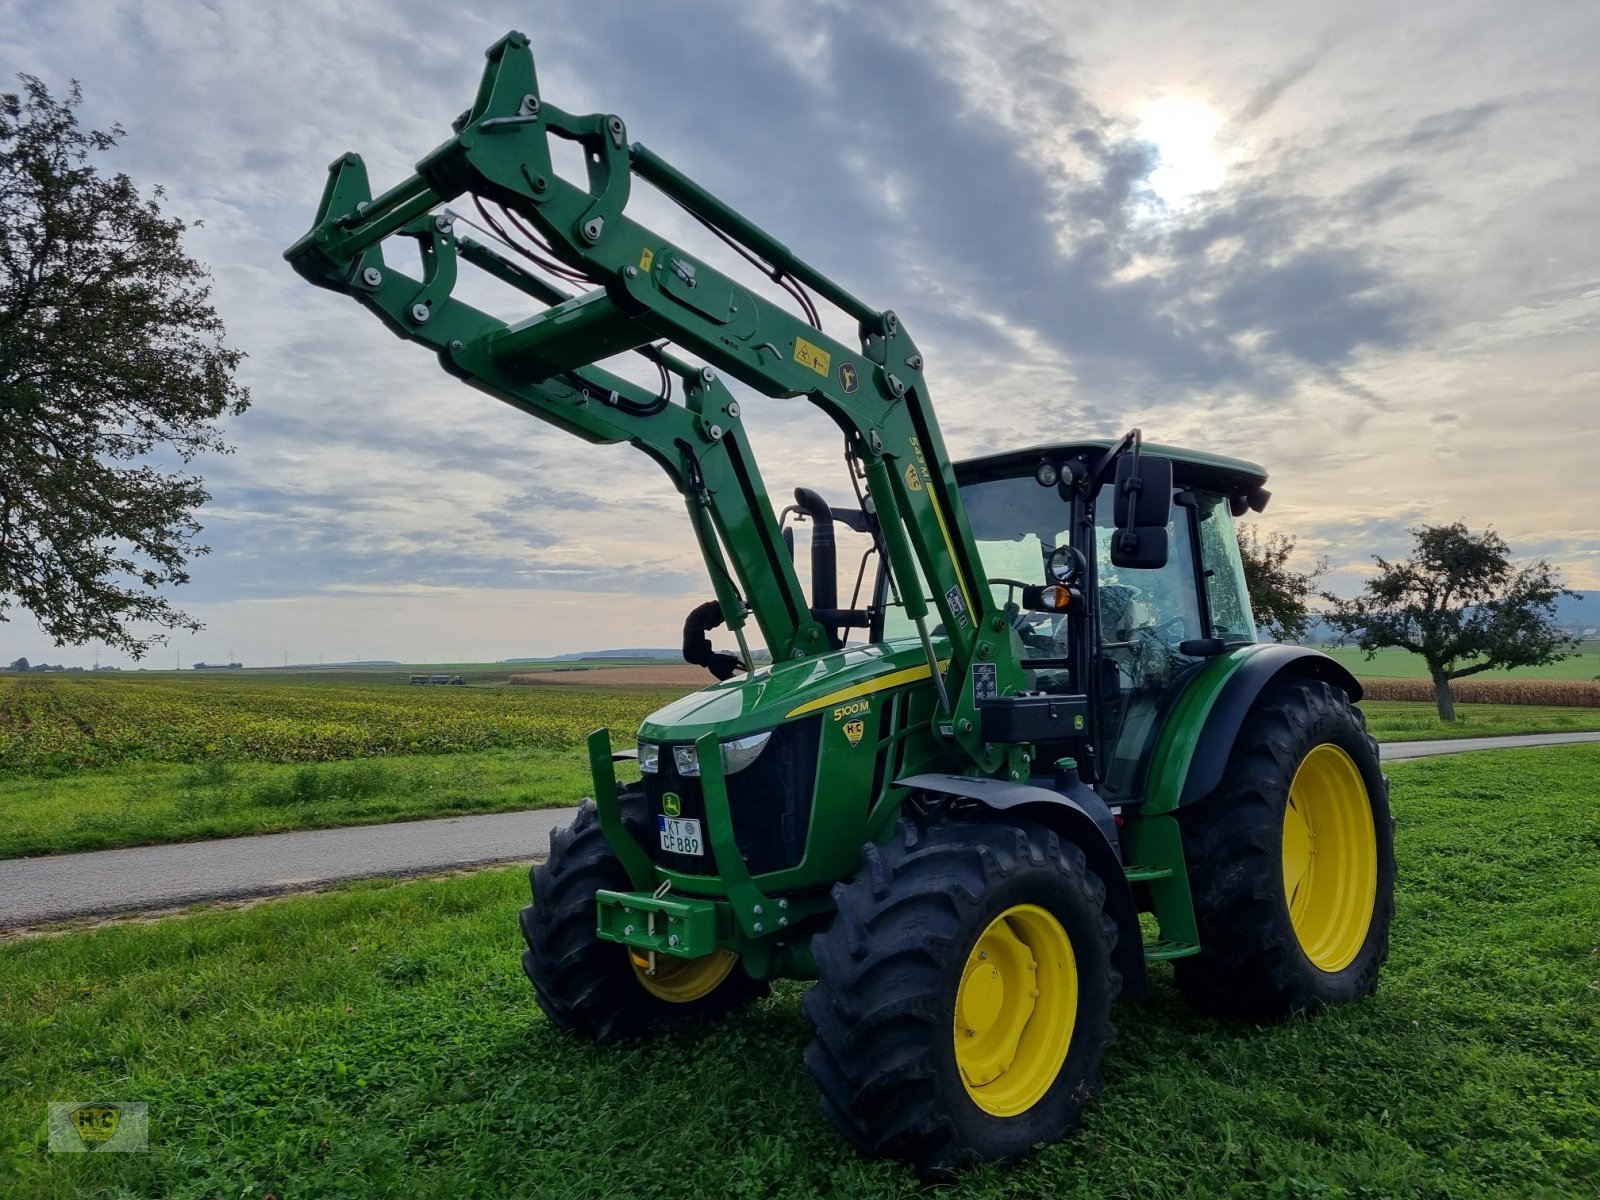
{"x": 1402, "y": 721}
{"x": 381, "y": 1041}
{"x": 1402, "y": 664}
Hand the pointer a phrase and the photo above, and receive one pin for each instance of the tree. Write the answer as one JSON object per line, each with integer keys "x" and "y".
{"x": 110, "y": 353}
{"x": 20, "y": 664}
{"x": 1462, "y": 605}
{"x": 1278, "y": 593}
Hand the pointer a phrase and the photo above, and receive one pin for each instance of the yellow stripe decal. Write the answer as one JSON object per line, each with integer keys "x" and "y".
{"x": 881, "y": 684}
{"x": 950, "y": 549}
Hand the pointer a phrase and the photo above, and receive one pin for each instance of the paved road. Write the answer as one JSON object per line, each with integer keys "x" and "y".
{"x": 1395, "y": 751}
{"x": 58, "y": 887}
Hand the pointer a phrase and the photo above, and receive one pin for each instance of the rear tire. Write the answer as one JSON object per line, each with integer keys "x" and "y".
{"x": 596, "y": 989}
{"x": 928, "y": 1045}
{"x": 1291, "y": 862}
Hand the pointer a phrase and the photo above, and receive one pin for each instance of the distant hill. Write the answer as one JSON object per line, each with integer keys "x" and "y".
{"x": 1580, "y": 614}
{"x": 635, "y": 653}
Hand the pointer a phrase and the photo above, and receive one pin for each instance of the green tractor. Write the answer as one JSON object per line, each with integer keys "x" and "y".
{"x": 1042, "y": 713}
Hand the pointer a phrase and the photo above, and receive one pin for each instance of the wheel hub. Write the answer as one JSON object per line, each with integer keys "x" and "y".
{"x": 1330, "y": 857}
{"x": 1015, "y": 1010}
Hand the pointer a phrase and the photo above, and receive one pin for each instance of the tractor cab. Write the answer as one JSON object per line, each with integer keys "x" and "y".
{"x": 1085, "y": 620}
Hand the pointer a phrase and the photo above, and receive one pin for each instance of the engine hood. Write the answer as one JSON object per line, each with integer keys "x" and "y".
{"x": 787, "y": 690}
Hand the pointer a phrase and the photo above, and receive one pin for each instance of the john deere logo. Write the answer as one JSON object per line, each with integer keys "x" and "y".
{"x": 913, "y": 480}
{"x": 96, "y": 1123}
{"x": 853, "y": 731}
{"x": 848, "y": 379}
{"x": 671, "y": 804}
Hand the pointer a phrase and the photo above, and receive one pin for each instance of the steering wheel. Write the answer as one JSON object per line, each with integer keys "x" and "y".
{"x": 1160, "y": 628}
{"x": 1012, "y": 585}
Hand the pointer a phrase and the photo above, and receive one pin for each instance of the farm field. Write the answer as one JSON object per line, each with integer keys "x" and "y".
{"x": 90, "y": 763}
{"x": 67, "y": 722}
{"x": 1402, "y": 664}
{"x": 381, "y": 1040}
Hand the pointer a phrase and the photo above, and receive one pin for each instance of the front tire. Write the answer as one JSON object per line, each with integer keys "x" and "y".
{"x": 602, "y": 990}
{"x": 964, "y": 994}
{"x": 1291, "y": 862}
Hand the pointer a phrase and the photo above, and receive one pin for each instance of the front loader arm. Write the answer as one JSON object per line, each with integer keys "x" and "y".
{"x": 646, "y": 288}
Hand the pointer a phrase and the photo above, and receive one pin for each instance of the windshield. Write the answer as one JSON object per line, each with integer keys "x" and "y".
{"x": 1016, "y": 524}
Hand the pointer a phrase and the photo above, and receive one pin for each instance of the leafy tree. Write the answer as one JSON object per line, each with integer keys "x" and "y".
{"x": 20, "y": 664}
{"x": 1462, "y": 605}
{"x": 110, "y": 354}
{"x": 1279, "y": 594}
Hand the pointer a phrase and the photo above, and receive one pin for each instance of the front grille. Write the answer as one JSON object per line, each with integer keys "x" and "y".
{"x": 770, "y": 801}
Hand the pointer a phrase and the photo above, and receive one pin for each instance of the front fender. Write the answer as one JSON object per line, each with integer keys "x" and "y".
{"x": 1082, "y": 818}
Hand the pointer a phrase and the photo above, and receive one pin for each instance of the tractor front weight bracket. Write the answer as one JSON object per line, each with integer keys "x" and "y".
{"x": 677, "y": 925}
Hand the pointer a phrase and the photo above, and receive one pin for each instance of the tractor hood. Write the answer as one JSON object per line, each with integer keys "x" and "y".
{"x": 787, "y": 690}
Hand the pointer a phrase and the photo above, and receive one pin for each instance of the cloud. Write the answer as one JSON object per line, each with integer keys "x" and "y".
{"x": 1391, "y": 298}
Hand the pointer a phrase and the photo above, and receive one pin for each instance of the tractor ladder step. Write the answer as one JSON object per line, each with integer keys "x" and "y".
{"x": 1161, "y": 951}
{"x": 1146, "y": 874}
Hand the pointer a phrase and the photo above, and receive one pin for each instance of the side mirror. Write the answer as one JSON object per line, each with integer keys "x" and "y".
{"x": 1144, "y": 491}
{"x": 1143, "y": 509}
{"x": 1143, "y": 548}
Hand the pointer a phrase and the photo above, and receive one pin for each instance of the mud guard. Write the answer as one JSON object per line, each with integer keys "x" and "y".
{"x": 1083, "y": 819}
{"x": 1238, "y": 696}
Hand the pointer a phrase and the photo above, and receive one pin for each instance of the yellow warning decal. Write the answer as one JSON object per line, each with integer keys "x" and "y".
{"x": 815, "y": 357}
{"x": 913, "y": 480}
{"x": 645, "y": 259}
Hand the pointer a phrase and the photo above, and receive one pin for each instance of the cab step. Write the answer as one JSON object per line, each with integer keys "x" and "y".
{"x": 1146, "y": 874}
{"x": 1162, "y": 951}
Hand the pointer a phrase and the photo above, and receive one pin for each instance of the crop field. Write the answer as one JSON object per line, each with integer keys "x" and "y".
{"x": 1569, "y": 693}
{"x": 66, "y": 723}
{"x": 381, "y": 1041}
{"x": 1402, "y": 664}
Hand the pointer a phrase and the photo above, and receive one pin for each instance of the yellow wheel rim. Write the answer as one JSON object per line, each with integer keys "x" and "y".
{"x": 680, "y": 980}
{"x": 1015, "y": 1010}
{"x": 1330, "y": 858}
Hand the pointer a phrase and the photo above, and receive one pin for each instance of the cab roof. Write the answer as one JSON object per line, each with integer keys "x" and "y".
{"x": 1190, "y": 468}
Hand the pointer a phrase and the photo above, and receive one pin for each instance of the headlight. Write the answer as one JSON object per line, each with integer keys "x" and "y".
{"x": 736, "y": 755}
{"x": 649, "y": 758}
{"x": 741, "y": 752}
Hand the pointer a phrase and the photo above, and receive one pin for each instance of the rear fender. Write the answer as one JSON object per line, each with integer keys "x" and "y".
{"x": 1080, "y": 817}
{"x": 1194, "y": 749}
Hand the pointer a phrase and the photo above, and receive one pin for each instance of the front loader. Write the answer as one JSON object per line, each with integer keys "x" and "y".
{"x": 1043, "y": 712}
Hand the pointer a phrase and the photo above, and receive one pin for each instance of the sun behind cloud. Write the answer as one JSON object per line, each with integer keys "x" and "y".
{"x": 1184, "y": 132}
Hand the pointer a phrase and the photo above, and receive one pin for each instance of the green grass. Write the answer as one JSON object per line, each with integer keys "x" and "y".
{"x": 381, "y": 1041}
{"x": 1404, "y": 721}
{"x": 1402, "y": 664}
{"x": 145, "y": 803}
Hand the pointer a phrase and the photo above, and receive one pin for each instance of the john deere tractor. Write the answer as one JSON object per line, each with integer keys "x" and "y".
{"x": 1042, "y": 712}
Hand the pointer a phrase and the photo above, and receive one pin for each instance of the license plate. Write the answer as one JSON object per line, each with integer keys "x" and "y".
{"x": 681, "y": 835}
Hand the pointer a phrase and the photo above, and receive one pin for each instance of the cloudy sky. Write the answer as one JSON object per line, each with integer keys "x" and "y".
{"x": 1357, "y": 243}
